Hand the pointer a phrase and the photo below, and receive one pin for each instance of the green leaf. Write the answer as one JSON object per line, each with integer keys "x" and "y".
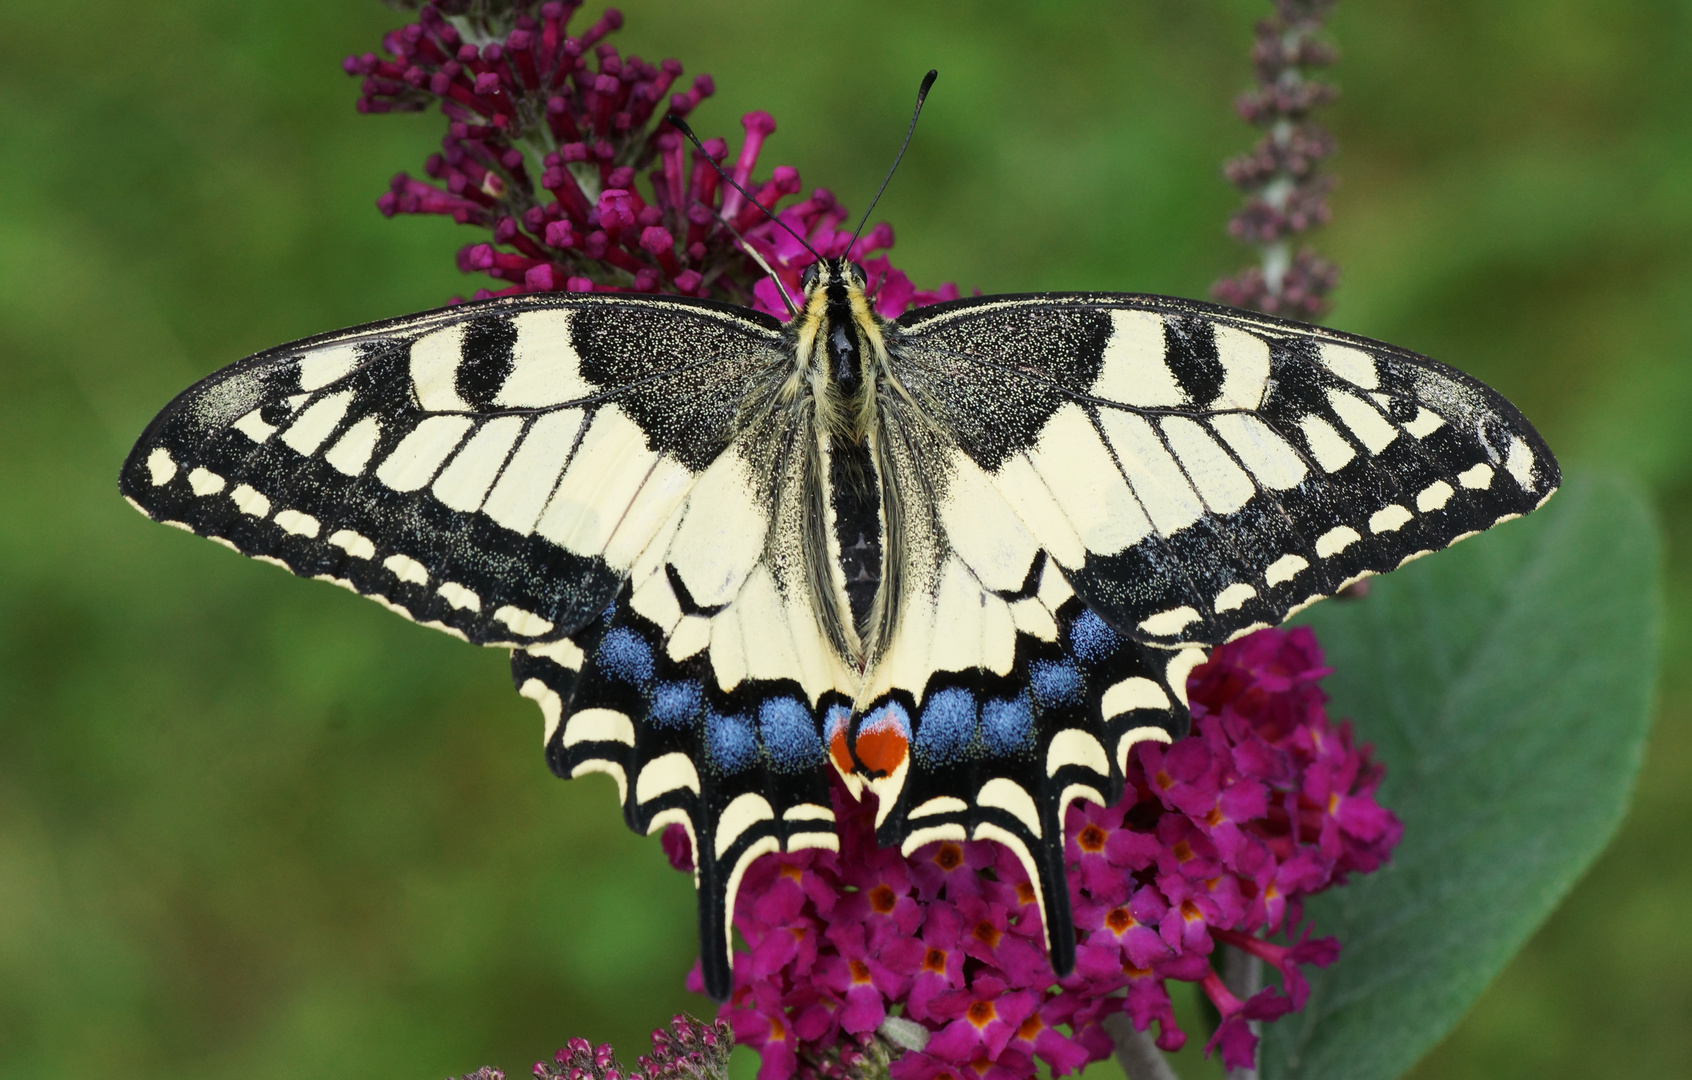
{"x": 1507, "y": 685}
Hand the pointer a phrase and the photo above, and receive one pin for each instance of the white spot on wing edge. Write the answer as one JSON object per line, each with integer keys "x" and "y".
{"x": 599, "y": 725}
{"x": 1005, "y": 794}
{"x": 1078, "y": 791}
{"x": 609, "y": 768}
{"x": 1389, "y": 518}
{"x": 920, "y": 837}
{"x": 563, "y": 652}
{"x": 1134, "y": 735}
{"x": 353, "y": 544}
{"x": 526, "y": 623}
{"x": 300, "y": 524}
{"x": 204, "y": 482}
{"x": 678, "y": 816}
{"x": 1285, "y": 569}
{"x": 940, "y": 804}
{"x": 406, "y": 568}
{"x": 459, "y": 596}
{"x": 813, "y": 839}
{"x": 664, "y": 774}
{"x": 1072, "y": 746}
{"x": 1166, "y": 623}
{"x": 1434, "y": 496}
{"x": 249, "y": 501}
{"x": 1336, "y": 540}
{"x": 551, "y": 706}
{"x": 1130, "y": 694}
{"x": 1478, "y": 478}
{"x": 989, "y": 831}
{"x": 160, "y": 467}
{"x": 742, "y": 813}
{"x": 1234, "y": 596}
{"x": 1518, "y": 462}
{"x": 1179, "y": 667}
{"x": 807, "y": 812}
{"x": 757, "y": 849}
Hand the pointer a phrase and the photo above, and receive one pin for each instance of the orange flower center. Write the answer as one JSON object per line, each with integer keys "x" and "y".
{"x": 987, "y": 934}
{"x": 1163, "y": 780}
{"x": 949, "y": 857}
{"x": 1214, "y": 818}
{"x": 1183, "y": 850}
{"x": 1025, "y": 892}
{"x": 1030, "y": 1027}
{"x": 934, "y": 960}
{"x": 1190, "y": 911}
{"x": 1092, "y": 838}
{"x": 792, "y": 872}
{"x": 982, "y": 1013}
{"x": 1119, "y": 920}
{"x": 882, "y": 898}
{"x": 860, "y": 972}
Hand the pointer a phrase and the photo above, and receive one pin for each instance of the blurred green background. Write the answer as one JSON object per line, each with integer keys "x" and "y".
{"x": 252, "y": 826}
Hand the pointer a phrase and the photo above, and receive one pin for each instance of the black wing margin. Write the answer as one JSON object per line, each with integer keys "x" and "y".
{"x": 490, "y": 469}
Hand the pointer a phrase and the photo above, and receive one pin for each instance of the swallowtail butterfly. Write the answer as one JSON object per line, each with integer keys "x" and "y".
{"x": 966, "y": 557}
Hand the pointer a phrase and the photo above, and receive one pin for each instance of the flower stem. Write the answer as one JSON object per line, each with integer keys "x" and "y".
{"x": 1136, "y": 1051}
{"x": 1243, "y": 974}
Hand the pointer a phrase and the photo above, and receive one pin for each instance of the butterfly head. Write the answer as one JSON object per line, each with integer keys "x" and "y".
{"x": 841, "y": 336}
{"x": 834, "y": 278}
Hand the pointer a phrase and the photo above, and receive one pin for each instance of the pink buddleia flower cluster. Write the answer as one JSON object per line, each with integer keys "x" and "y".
{"x": 1218, "y": 838}
{"x": 1286, "y": 194}
{"x": 550, "y": 135}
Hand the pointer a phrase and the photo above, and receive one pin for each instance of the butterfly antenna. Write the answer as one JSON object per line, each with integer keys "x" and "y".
{"x": 922, "y": 95}
{"x": 681, "y": 125}
{"x": 759, "y": 259}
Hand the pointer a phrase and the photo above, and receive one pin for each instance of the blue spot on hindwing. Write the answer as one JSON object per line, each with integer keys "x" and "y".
{"x": 1091, "y": 637}
{"x": 674, "y": 703}
{"x": 1055, "y": 682}
{"x": 789, "y": 734}
{"x": 625, "y": 655}
{"x": 732, "y": 742}
{"x": 1007, "y": 725}
{"x": 947, "y": 725}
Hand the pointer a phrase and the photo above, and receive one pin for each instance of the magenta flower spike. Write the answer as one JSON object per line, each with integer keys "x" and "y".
{"x": 1217, "y": 840}
{"x": 1286, "y": 194}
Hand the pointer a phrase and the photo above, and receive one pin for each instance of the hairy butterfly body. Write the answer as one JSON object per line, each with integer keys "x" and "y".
{"x": 965, "y": 558}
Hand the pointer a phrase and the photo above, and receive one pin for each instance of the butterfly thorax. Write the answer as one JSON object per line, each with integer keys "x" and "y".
{"x": 841, "y": 345}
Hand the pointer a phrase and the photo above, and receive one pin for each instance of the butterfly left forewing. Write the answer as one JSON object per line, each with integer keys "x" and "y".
{"x": 491, "y": 469}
